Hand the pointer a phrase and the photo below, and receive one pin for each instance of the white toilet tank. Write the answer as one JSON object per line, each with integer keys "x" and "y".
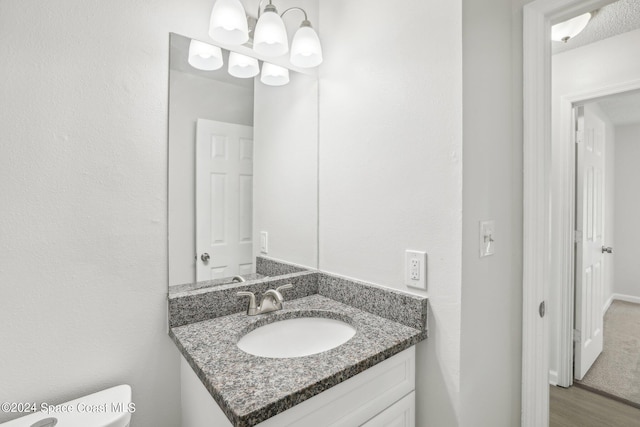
{"x": 107, "y": 408}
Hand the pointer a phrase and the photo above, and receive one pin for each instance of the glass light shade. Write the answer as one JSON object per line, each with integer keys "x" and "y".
{"x": 243, "y": 66}
{"x": 274, "y": 75}
{"x": 566, "y": 30}
{"x": 306, "y": 50}
{"x": 229, "y": 22}
{"x": 204, "y": 56}
{"x": 270, "y": 37}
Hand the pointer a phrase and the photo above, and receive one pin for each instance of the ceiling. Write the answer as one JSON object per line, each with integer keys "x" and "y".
{"x": 611, "y": 20}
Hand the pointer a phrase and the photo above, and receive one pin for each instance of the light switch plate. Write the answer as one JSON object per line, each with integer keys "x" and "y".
{"x": 264, "y": 242}
{"x": 415, "y": 269}
{"x": 487, "y": 238}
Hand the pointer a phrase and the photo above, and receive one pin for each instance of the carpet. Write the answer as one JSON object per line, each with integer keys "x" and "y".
{"x": 616, "y": 372}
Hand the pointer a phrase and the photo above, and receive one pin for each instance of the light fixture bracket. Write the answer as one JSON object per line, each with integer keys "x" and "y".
{"x": 306, "y": 19}
{"x": 270, "y": 8}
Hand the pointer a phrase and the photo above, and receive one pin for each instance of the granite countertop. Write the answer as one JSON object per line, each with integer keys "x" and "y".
{"x": 250, "y": 389}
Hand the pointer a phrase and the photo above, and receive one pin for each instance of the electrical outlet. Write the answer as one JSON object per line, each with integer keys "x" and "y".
{"x": 415, "y": 274}
{"x": 414, "y": 269}
{"x": 264, "y": 242}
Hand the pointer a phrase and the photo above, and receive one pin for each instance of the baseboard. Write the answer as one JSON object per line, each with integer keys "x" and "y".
{"x": 553, "y": 377}
{"x": 627, "y": 298}
{"x": 607, "y": 304}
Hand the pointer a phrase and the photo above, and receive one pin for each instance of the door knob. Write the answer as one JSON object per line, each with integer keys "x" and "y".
{"x": 205, "y": 257}
{"x": 607, "y": 249}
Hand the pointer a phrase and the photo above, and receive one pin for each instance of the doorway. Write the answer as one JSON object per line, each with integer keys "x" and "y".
{"x": 609, "y": 124}
{"x": 538, "y": 158}
{"x": 586, "y": 77}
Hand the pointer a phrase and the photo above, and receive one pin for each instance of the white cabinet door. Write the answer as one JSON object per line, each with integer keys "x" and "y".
{"x": 224, "y": 199}
{"x": 590, "y": 224}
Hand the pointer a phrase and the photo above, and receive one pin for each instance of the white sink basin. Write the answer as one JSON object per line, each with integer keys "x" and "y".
{"x": 296, "y": 337}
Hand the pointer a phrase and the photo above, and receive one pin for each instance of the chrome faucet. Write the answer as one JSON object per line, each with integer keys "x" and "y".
{"x": 237, "y": 279}
{"x": 272, "y": 300}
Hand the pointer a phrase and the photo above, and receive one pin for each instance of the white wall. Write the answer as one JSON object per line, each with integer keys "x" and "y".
{"x": 627, "y": 211}
{"x": 395, "y": 136}
{"x": 194, "y": 97}
{"x": 83, "y": 125}
{"x": 492, "y": 189}
{"x": 595, "y": 66}
{"x": 286, "y": 169}
{"x": 391, "y": 166}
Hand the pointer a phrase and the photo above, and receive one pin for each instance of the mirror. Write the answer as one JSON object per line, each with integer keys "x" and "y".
{"x": 243, "y": 171}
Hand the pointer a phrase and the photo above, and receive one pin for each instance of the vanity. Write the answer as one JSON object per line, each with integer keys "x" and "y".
{"x": 319, "y": 350}
{"x": 368, "y": 380}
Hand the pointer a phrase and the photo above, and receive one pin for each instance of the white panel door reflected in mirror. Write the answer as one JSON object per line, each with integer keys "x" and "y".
{"x": 224, "y": 200}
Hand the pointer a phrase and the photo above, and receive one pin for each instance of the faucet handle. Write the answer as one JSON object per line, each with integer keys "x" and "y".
{"x": 276, "y": 295}
{"x": 251, "y": 309}
{"x": 287, "y": 286}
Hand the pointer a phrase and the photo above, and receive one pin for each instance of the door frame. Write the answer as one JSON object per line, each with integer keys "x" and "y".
{"x": 566, "y": 162}
{"x": 537, "y": 19}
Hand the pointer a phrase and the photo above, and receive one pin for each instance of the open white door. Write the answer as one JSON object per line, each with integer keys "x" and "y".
{"x": 224, "y": 199}
{"x": 590, "y": 134}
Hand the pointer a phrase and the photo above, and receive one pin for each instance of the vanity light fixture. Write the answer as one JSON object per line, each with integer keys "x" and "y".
{"x": 204, "y": 56}
{"x": 306, "y": 51}
{"x": 274, "y": 75}
{"x": 243, "y": 66}
{"x": 566, "y": 30}
{"x": 228, "y": 23}
{"x": 270, "y": 35}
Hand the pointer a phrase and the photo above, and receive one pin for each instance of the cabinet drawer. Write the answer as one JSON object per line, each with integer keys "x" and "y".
{"x": 400, "y": 414}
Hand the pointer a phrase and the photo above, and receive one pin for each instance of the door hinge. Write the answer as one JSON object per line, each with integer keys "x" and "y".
{"x": 579, "y": 136}
{"x": 576, "y": 335}
{"x": 577, "y": 236}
